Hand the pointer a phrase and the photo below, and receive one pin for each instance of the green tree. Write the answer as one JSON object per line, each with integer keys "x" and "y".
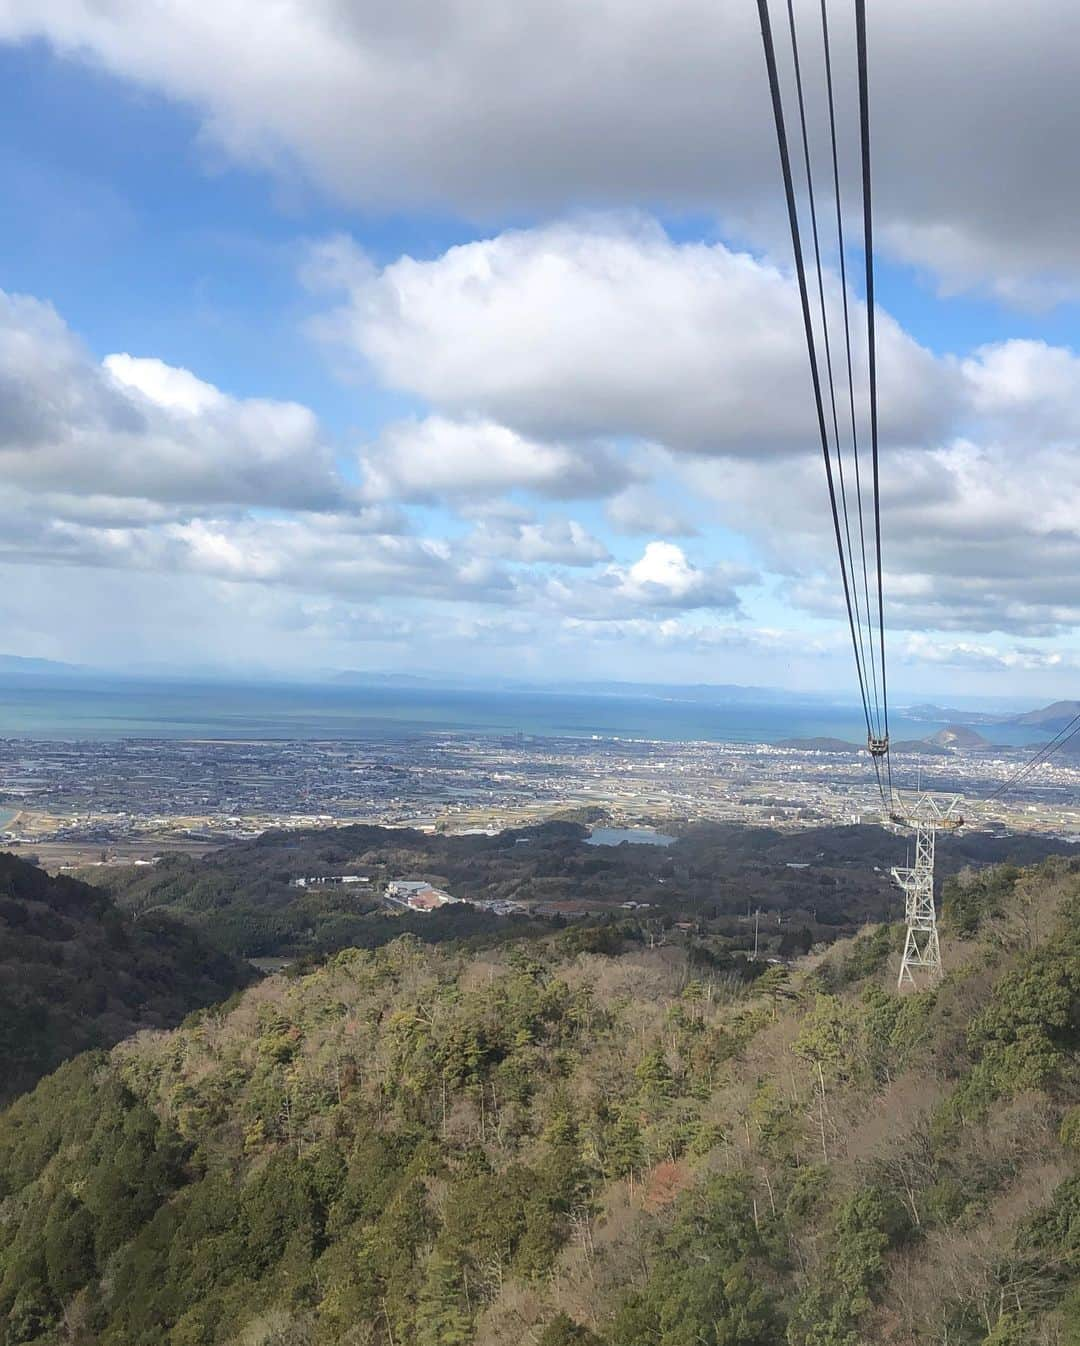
{"x": 69, "y": 1246}
{"x": 562, "y": 1330}
{"x": 654, "y": 1075}
{"x": 442, "y": 1317}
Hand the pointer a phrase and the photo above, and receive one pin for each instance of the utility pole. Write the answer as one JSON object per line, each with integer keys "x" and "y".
{"x": 922, "y": 951}
{"x": 757, "y": 922}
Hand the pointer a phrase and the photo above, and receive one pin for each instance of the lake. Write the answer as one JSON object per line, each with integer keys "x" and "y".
{"x": 636, "y": 836}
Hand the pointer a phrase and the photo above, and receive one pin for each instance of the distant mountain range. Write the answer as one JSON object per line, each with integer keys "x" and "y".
{"x": 953, "y": 738}
{"x": 959, "y": 737}
{"x": 726, "y": 693}
{"x": 1055, "y": 716}
{"x": 1052, "y": 717}
{"x": 42, "y": 668}
{"x": 953, "y": 715}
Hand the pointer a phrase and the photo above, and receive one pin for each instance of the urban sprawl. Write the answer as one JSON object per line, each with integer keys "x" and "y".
{"x": 132, "y": 798}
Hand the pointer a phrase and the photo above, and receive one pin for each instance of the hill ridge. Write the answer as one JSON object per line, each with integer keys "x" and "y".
{"x": 76, "y": 972}
{"x": 628, "y": 1147}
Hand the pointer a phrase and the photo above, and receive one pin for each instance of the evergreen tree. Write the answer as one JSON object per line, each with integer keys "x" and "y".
{"x": 442, "y": 1318}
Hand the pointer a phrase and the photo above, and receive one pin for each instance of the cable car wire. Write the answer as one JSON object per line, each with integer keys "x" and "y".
{"x": 1041, "y": 756}
{"x": 860, "y": 654}
{"x": 876, "y": 711}
{"x": 842, "y": 255}
{"x": 871, "y": 336}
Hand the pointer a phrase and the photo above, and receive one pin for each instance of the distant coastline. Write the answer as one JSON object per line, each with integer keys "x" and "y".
{"x": 67, "y": 709}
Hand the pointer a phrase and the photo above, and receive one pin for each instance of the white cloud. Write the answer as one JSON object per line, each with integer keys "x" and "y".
{"x": 662, "y": 569}
{"x": 561, "y": 541}
{"x": 981, "y": 533}
{"x": 417, "y": 103}
{"x": 436, "y": 458}
{"x": 1028, "y": 390}
{"x": 330, "y": 558}
{"x": 691, "y": 635}
{"x": 639, "y": 509}
{"x": 138, "y": 429}
{"x": 325, "y": 554}
{"x": 661, "y": 579}
{"x": 549, "y": 103}
{"x": 164, "y": 385}
{"x": 920, "y": 649}
{"x": 135, "y": 465}
{"x": 612, "y": 329}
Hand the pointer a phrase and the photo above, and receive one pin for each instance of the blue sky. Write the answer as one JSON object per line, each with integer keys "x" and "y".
{"x": 413, "y": 339}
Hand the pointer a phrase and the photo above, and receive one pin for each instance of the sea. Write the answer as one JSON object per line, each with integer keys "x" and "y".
{"x": 57, "y": 708}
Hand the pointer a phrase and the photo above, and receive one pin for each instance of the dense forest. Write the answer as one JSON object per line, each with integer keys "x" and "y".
{"x": 823, "y": 882}
{"x": 76, "y": 972}
{"x": 416, "y": 1146}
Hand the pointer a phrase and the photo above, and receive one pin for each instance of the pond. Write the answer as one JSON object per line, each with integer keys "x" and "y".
{"x": 637, "y": 836}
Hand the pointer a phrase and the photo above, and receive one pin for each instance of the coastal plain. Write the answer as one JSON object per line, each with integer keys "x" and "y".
{"x": 77, "y": 803}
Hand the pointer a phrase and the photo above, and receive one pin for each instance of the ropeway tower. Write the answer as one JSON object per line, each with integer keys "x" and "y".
{"x": 922, "y": 952}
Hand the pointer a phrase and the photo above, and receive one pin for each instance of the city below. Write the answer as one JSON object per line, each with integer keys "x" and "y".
{"x": 86, "y": 802}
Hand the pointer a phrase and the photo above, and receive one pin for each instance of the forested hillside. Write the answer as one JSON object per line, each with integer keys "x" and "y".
{"x": 75, "y": 972}
{"x": 411, "y": 1147}
{"x": 824, "y": 881}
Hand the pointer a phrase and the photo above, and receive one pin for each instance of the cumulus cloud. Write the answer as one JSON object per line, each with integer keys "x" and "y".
{"x": 920, "y": 649}
{"x": 610, "y": 328}
{"x": 639, "y": 509}
{"x": 458, "y": 104}
{"x": 139, "y": 429}
{"x": 663, "y": 575}
{"x": 981, "y": 533}
{"x": 545, "y": 103}
{"x": 134, "y": 465}
{"x": 164, "y": 385}
{"x": 319, "y": 554}
{"x": 1026, "y": 390}
{"x": 561, "y": 541}
{"x": 424, "y": 460}
{"x": 131, "y": 463}
{"x": 661, "y": 579}
{"x": 332, "y": 558}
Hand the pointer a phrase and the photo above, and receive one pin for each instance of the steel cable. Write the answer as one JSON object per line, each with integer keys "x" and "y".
{"x": 1042, "y": 756}
{"x": 871, "y": 336}
{"x": 876, "y": 720}
{"x": 808, "y": 326}
{"x": 860, "y": 653}
{"x": 842, "y": 255}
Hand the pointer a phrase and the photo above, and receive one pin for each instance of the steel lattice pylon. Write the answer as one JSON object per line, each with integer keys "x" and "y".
{"x": 922, "y": 952}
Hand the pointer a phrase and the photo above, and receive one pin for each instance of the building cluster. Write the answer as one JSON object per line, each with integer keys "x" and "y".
{"x": 416, "y": 895}
{"x": 328, "y": 881}
{"x": 500, "y": 906}
{"x": 153, "y": 792}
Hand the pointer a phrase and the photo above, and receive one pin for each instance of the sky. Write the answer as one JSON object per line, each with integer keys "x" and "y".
{"x": 462, "y": 336}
